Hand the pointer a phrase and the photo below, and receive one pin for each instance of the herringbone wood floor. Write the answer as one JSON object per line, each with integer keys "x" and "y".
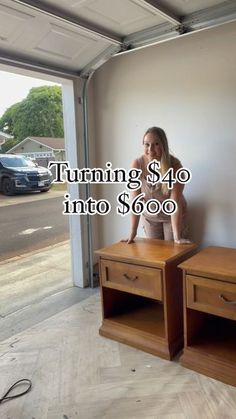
{"x": 78, "y": 374}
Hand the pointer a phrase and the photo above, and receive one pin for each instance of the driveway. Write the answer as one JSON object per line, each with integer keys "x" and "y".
{"x": 30, "y": 197}
{"x": 31, "y": 221}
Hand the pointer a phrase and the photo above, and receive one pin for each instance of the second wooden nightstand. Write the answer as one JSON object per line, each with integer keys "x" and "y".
{"x": 210, "y": 313}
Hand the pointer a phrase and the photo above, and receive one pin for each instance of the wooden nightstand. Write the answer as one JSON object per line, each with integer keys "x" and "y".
{"x": 141, "y": 289}
{"x": 210, "y": 313}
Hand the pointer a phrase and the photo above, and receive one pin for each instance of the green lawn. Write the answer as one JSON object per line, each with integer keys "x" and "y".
{"x": 59, "y": 187}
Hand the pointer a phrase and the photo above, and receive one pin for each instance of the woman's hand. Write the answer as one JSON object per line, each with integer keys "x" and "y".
{"x": 182, "y": 241}
{"x": 130, "y": 238}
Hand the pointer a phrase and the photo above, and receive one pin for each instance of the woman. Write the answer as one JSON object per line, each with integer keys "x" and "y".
{"x": 161, "y": 225}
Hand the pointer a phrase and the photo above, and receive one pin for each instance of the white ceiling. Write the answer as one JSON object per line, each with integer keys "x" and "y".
{"x": 77, "y": 36}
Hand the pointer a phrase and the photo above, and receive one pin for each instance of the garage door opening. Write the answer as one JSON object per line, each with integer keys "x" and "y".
{"x": 35, "y": 248}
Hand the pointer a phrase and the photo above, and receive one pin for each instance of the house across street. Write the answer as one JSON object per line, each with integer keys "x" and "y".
{"x": 41, "y": 149}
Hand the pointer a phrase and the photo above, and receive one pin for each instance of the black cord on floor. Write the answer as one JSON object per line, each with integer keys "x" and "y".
{"x": 24, "y": 381}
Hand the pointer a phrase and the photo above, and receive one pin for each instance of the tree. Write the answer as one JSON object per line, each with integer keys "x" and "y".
{"x": 38, "y": 115}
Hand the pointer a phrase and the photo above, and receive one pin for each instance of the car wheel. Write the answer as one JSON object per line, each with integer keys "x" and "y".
{"x": 8, "y": 187}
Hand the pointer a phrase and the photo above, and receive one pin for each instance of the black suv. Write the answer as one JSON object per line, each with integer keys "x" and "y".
{"x": 20, "y": 174}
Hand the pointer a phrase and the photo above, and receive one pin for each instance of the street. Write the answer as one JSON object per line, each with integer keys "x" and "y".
{"x": 32, "y": 225}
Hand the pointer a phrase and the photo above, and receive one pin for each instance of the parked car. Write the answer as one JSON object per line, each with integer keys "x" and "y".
{"x": 20, "y": 174}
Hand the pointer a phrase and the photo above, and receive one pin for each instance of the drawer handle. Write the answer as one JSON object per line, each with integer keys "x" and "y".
{"x": 130, "y": 278}
{"x": 226, "y": 300}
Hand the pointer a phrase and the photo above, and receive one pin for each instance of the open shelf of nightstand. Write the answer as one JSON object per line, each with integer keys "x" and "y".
{"x": 141, "y": 313}
{"x": 216, "y": 338}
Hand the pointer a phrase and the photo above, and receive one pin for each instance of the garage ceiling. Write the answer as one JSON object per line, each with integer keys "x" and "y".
{"x": 77, "y": 36}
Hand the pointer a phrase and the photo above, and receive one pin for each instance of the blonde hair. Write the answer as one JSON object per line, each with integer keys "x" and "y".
{"x": 166, "y": 158}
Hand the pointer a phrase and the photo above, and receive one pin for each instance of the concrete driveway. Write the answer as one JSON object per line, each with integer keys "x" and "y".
{"x": 29, "y": 197}
{"x": 33, "y": 280}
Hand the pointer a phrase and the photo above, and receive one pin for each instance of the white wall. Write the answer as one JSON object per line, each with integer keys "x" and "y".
{"x": 188, "y": 87}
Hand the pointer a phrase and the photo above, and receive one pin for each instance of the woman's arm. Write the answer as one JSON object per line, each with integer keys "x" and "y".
{"x": 134, "y": 218}
{"x": 177, "y": 217}
{"x": 134, "y": 221}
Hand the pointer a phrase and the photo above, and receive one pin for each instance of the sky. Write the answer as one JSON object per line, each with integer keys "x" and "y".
{"x": 14, "y": 88}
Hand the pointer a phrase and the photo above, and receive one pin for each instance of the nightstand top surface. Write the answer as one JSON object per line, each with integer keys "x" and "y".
{"x": 148, "y": 251}
{"x": 215, "y": 262}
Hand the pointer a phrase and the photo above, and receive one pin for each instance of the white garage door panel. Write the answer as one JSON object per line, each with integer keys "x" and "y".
{"x": 47, "y": 40}
{"x": 11, "y": 23}
{"x": 121, "y": 16}
{"x": 63, "y": 43}
{"x": 80, "y": 35}
{"x": 184, "y": 7}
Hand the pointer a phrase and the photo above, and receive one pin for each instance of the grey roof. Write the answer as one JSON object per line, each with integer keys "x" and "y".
{"x": 54, "y": 143}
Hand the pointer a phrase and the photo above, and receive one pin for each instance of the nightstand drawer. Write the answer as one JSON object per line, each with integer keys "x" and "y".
{"x": 211, "y": 296}
{"x": 131, "y": 278}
